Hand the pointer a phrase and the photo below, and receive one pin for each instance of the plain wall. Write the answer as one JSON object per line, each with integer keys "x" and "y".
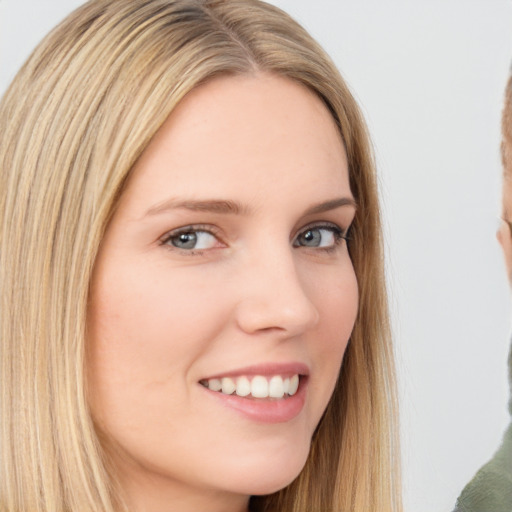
{"x": 429, "y": 76}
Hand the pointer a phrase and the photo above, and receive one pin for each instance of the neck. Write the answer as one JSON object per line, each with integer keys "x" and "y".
{"x": 158, "y": 493}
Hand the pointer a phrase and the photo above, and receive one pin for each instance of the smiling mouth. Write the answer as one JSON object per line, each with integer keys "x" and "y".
{"x": 257, "y": 386}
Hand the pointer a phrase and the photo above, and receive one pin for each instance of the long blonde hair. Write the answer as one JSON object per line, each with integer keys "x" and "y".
{"x": 72, "y": 125}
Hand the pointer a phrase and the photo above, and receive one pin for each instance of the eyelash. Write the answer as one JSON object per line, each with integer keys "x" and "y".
{"x": 339, "y": 235}
{"x": 166, "y": 240}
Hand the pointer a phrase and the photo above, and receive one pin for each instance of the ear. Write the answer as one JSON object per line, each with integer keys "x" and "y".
{"x": 504, "y": 236}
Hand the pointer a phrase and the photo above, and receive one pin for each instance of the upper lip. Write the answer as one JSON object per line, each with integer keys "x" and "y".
{"x": 266, "y": 369}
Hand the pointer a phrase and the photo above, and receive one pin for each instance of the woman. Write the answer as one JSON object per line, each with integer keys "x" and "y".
{"x": 178, "y": 180}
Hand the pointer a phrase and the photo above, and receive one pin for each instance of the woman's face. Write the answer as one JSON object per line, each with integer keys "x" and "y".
{"x": 225, "y": 265}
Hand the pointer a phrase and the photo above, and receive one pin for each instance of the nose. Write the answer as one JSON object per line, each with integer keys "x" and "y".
{"x": 274, "y": 298}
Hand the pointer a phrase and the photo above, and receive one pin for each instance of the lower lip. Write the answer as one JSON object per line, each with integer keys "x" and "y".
{"x": 265, "y": 410}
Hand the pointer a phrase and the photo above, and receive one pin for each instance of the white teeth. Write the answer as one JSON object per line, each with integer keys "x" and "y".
{"x": 259, "y": 387}
{"x": 215, "y": 384}
{"x": 228, "y": 386}
{"x": 286, "y": 385}
{"x": 276, "y": 387}
{"x": 243, "y": 386}
{"x": 294, "y": 385}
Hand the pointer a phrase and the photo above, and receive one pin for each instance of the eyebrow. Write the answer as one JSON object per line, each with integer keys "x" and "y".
{"x": 212, "y": 206}
{"x": 236, "y": 208}
{"x": 331, "y": 205}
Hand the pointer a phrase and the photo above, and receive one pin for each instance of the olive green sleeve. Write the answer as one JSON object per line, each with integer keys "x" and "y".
{"x": 490, "y": 490}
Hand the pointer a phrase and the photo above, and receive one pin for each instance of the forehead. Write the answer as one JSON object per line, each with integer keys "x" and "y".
{"x": 262, "y": 130}
{"x": 262, "y": 108}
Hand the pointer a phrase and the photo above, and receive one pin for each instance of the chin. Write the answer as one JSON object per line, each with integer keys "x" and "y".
{"x": 270, "y": 475}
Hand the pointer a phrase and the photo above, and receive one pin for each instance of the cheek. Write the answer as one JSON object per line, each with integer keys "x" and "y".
{"x": 337, "y": 300}
{"x": 144, "y": 335}
{"x": 342, "y": 302}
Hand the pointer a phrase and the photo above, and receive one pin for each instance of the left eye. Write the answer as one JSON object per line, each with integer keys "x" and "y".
{"x": 322, "y": 237}
{"x": 192, "y": 240}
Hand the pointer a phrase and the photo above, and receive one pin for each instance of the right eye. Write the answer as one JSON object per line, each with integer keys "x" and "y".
{"x": 191, "y": 239}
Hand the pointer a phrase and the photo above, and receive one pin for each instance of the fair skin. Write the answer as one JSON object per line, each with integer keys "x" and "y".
{"x": 504, "y": 235}
{"x": 224, "y": 262}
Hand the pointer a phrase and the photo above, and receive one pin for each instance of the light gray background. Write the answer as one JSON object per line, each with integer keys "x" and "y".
{"x": 429, "y": 76}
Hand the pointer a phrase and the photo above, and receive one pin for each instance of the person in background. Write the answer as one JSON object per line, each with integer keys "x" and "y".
{"x": 491, "y": 488}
